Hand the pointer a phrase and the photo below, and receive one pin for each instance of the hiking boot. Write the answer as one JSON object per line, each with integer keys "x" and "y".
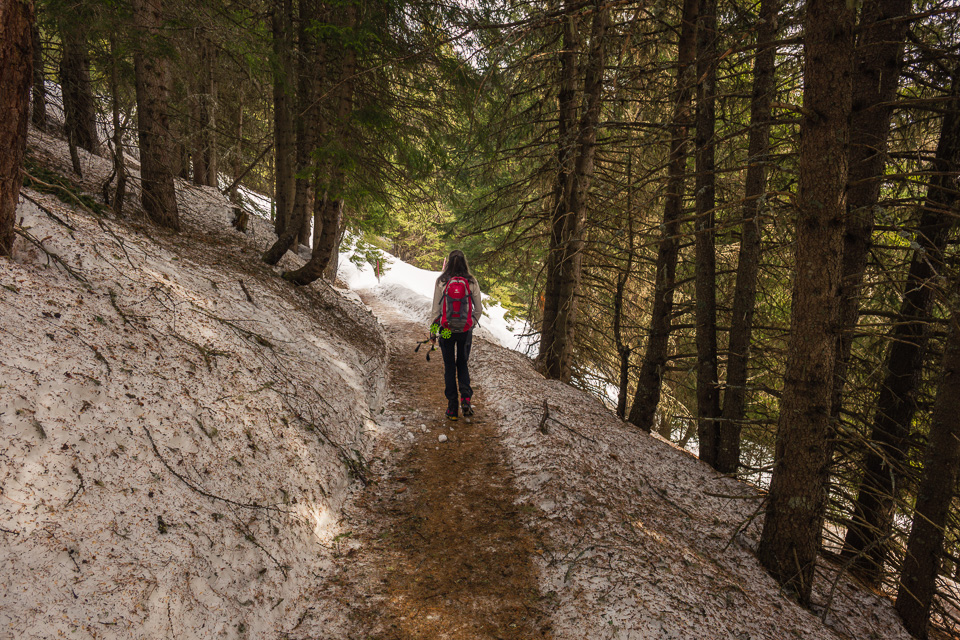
{"x": 452, "y": 413}
{"x": 467, "y": 407}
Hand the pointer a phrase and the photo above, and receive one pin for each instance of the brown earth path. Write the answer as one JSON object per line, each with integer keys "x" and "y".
{"x": 443, "y": 551}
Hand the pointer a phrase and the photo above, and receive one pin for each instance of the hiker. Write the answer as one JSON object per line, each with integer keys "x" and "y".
{"x": 456, "y": 311}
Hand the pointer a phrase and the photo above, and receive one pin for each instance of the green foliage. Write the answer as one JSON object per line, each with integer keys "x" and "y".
{"x": 40, "y": 178}
{"x": 364, "y": 252}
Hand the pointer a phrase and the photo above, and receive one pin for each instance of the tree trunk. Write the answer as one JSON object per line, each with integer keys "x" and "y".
{"x": 151, "y": 68}
{"x": 748, "y": 262}
{"x": 334, "y": 265}
{"x": 326, "y": 229}
{"x": 872, "y": 519}
{"x": 237, "y": 174}
{"x": 78, "y": 105}
{"x": 623, "y": 350}
{"x": 551, "y": 332}
{"x": 921, "y": 565}
{"x": 205, "y": 170}
{"x": 796, "y": 502}
{"x": 647, "y": 396}
{"x": 309, "y": 70}
{"x": 16, "y": 70}
{"x": 572, "y": 254}
{"x": 285, "y": 139}
{"x": 878, "y": 56}
{"x": 708, "y": 395}
{"x": 119, "y": 166}
{"x": 39, "y": 114}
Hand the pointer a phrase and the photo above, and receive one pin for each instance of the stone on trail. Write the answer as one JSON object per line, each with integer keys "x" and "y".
{"x": 442, "y": 438}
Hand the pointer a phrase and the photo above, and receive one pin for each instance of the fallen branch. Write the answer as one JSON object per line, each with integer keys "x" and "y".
{"x": 116, "y": 306}
{"x": 679, "y": 507}
{"x": 80, "y": 488}
{"x": 47, "y": 211}
{"x": 245, "y": 505}
{"x": 757, "y": 496}
{"x": 248, "y": 535}
{"x": 746, "y": 523}
{"x": 98, "y": 216}
{"x": 246, "y": 333}
{"x": 244, "y": 173}
{"x": 543, "y": 419}
{"x": 246, "y": 293}
{"x": 572, "y": 430}
{"x": 573, "y": 563}
{"x": 51, "y": 256}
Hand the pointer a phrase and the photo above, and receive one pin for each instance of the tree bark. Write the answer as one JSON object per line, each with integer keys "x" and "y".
{"x": 119, "y": 166}
{"x": 205, "y": 169}
{"x": 879, "y": 56}
{"x": 748, "y": 262}
{"x": 624, "y": 350}
{"x": 586, "y": 145}
{"x": 237, "y": 174}
{"x": 309, "y": 78}
{"x": 551, "y": 332}
{"x": 16, "y": 70}
{"x": 708, "y": 395}
{"x": 284, "y": 94}
{"x": 796, "y": 502}
{"x": 78, "y": 104}
{"x": 941, "y": 468}
{"x": 326, "y": 228}
{"x": 151, "y": 68}
{"x": 872, "y": 519}
{"x": 39, "y": 114}
{"x": 650, "y": 379}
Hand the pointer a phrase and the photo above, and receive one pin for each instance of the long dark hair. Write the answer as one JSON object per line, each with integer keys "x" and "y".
{"x": 455, "y": 266}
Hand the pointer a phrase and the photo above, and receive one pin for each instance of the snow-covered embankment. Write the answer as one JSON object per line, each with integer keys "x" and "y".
{"x": 180, "y": 426}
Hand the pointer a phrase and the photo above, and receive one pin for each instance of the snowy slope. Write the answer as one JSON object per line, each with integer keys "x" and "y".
{"x": 180, "y": 426}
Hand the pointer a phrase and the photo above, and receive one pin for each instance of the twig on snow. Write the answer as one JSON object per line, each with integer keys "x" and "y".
{"x": 247, "y": 293}
{"x": 80, "y": 487}
{"x": 50, "y": 255}
{"x": 48, "y": 212}
{"x": 543, "y": 419}
{"x": 746, "y": 523}
{"x": 573, "y": 563}
{"x": 245, "y": 505}
{"x": 734, "y": 496}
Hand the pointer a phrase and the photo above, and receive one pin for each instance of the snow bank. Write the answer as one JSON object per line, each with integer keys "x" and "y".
{"x": 181, "y": 427}
{"x": 640, "y": 539}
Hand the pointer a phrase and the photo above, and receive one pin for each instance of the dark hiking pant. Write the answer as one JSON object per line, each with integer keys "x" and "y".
{"x": 456, "y": 351}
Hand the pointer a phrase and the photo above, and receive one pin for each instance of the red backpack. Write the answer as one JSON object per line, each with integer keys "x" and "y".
{"x": 456, "y": 306}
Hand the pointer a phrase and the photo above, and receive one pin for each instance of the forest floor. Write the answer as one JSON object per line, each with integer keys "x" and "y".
{"x": 439, "y": 549}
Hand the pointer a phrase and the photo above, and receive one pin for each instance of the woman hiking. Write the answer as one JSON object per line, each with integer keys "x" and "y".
{"x": 456, "y": 311}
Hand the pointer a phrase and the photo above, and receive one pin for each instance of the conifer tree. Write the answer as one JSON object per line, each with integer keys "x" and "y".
{"x": 796, "y": 504}
{"x": 16, "y": 70}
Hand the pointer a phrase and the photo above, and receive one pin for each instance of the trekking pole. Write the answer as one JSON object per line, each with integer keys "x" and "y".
{"x": 423, "y": 342}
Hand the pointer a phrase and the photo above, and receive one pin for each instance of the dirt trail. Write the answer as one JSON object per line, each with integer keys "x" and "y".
{"x": 443, "y": 551}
